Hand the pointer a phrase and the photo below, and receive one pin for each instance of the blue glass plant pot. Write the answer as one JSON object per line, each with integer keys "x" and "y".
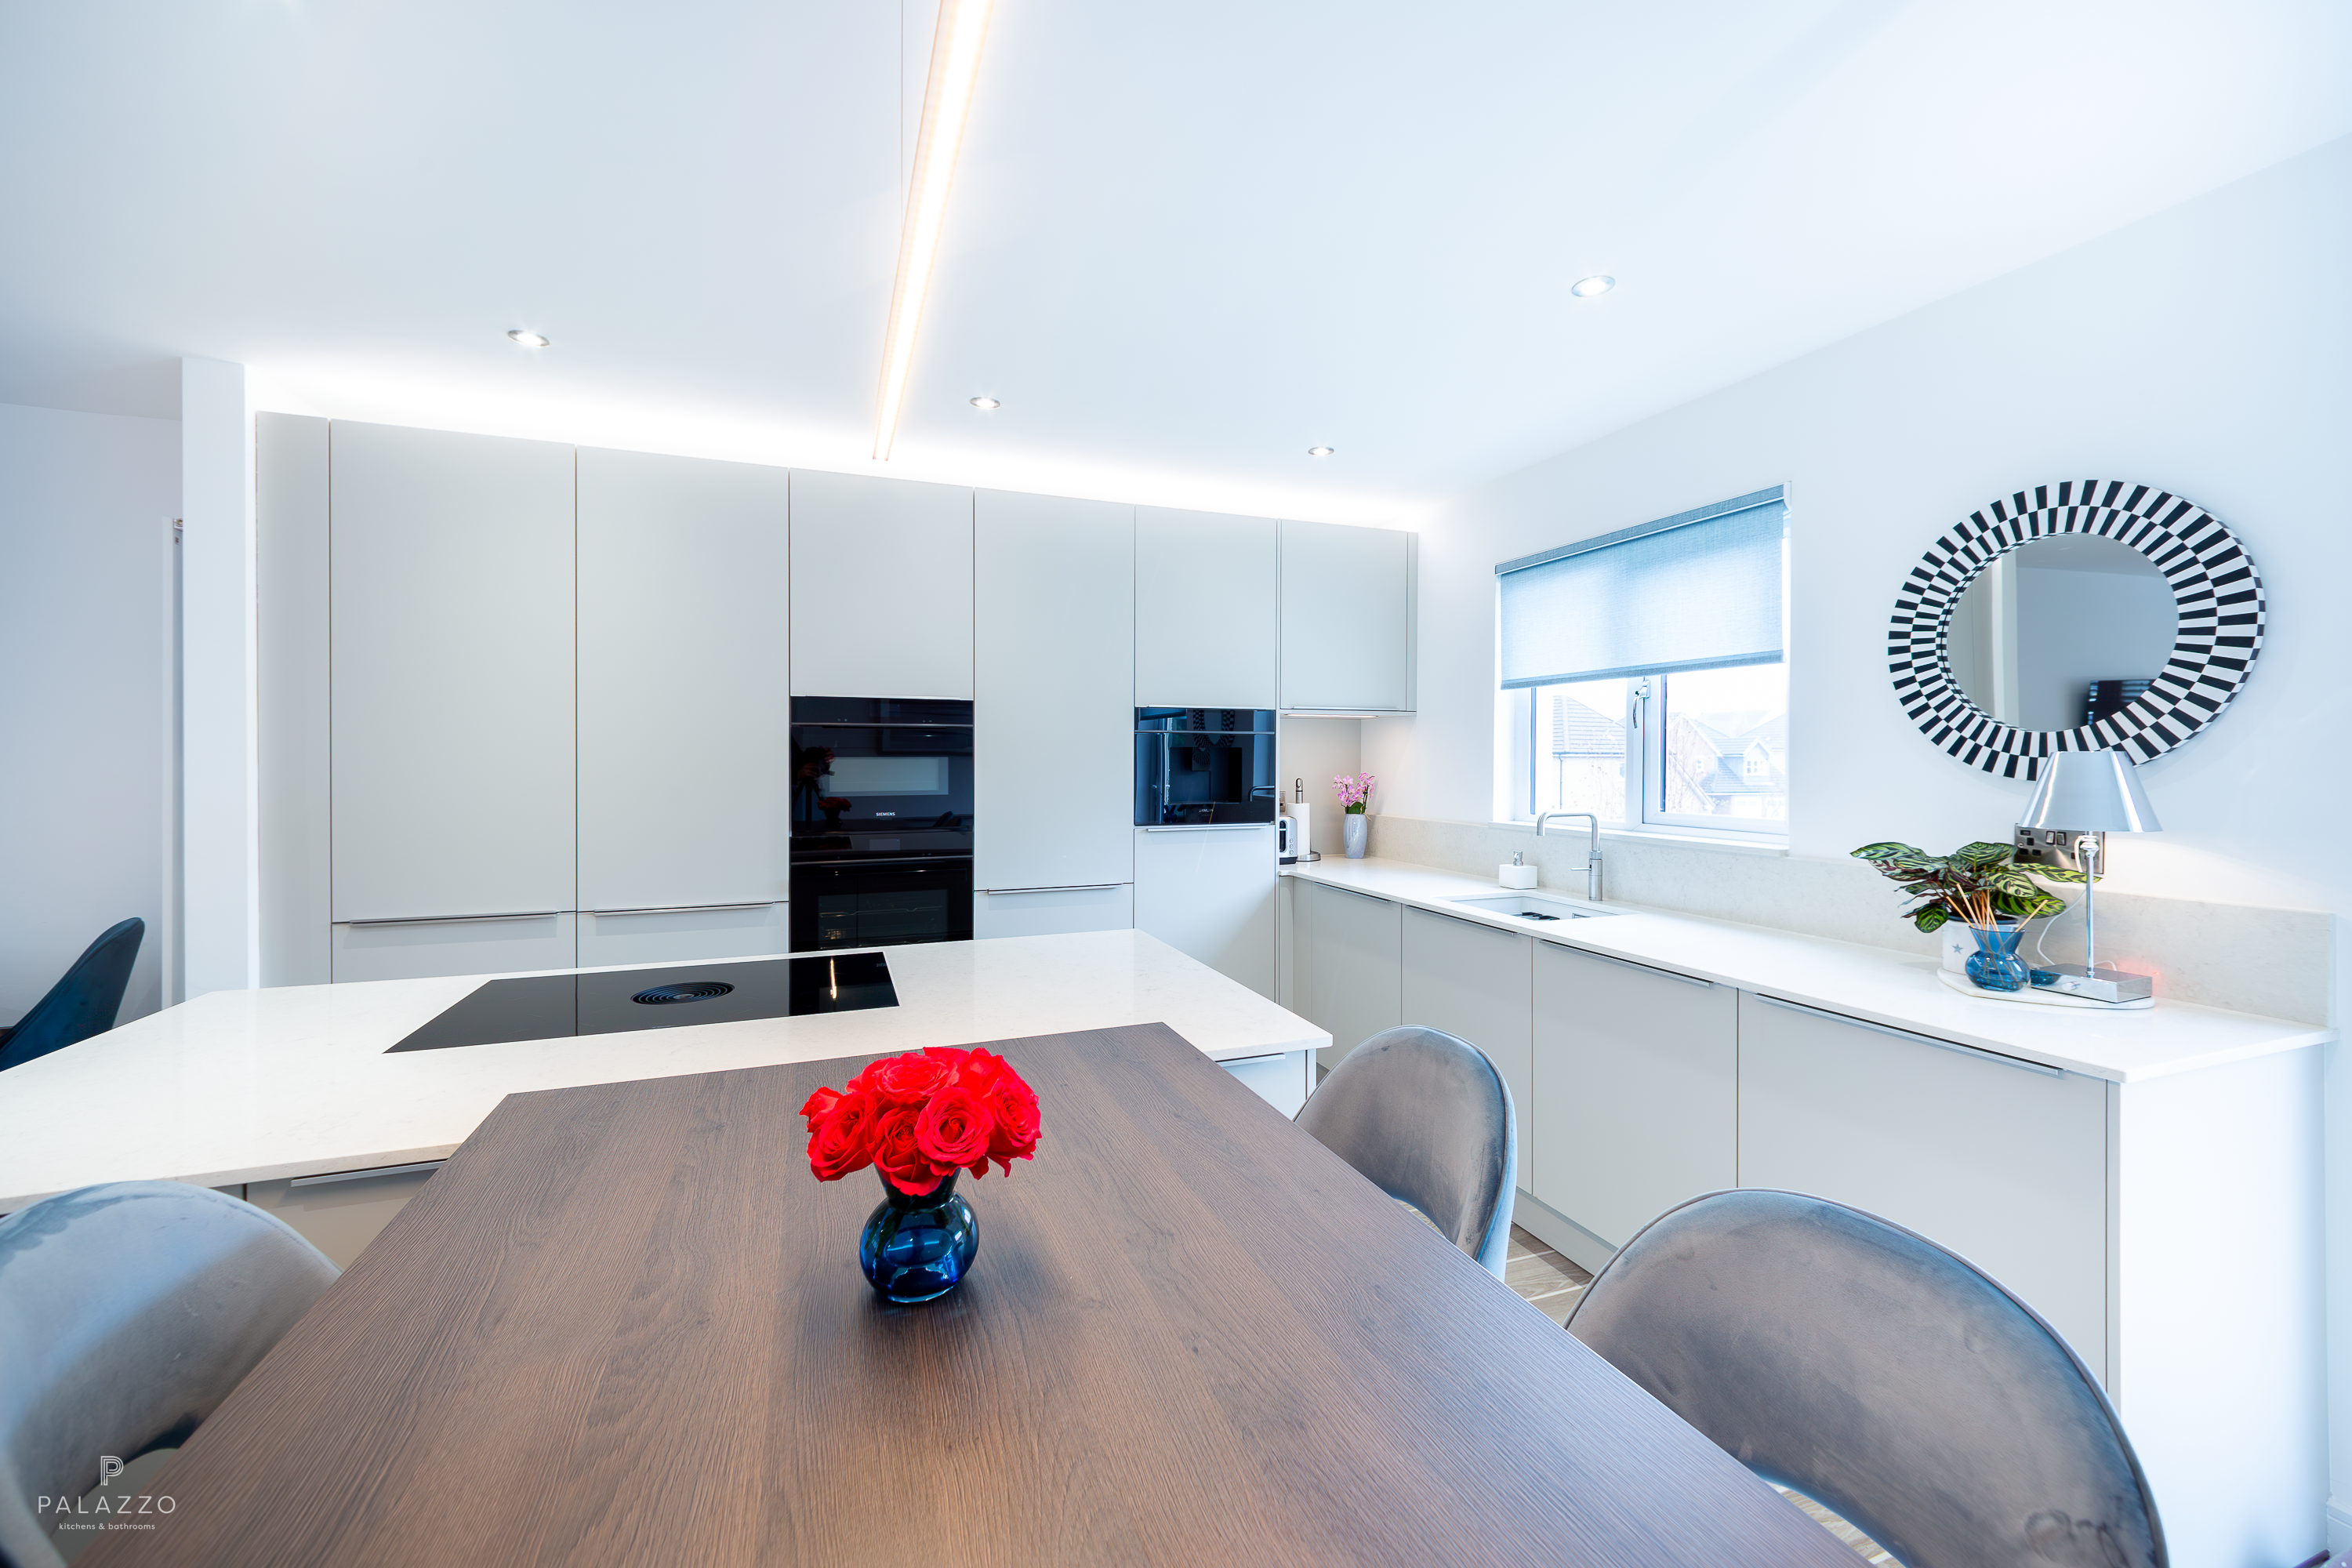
{"x": 1994, "y": 965}
{"x": 919, "y": 1248}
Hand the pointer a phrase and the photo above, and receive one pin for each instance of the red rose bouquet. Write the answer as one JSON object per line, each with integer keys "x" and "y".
{"x": 923, "y": 1117}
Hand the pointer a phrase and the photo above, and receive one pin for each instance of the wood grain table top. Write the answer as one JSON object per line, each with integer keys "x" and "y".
{"x": 624, "y": 1324}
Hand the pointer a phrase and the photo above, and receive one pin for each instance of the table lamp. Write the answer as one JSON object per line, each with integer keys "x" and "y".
{"x": 2082, "y": 797}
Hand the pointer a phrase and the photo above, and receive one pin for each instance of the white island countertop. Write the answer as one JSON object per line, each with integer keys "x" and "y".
{"x": 250, "y": 1086}
{"x": 1880, "y": 985}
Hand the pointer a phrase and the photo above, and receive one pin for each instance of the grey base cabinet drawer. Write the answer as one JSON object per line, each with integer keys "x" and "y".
{"x": 1472, "y": 981}
{"x": 1637, "y": 1090}
{"x": 2003, "y": 1164}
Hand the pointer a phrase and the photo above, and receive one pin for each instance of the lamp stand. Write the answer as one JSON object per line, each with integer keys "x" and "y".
{"x": 2086, "y": 979}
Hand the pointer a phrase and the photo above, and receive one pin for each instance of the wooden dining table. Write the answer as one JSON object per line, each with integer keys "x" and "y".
{"x": 625, "y": 1324}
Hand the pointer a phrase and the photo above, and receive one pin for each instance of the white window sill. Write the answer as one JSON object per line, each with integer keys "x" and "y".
{"x": 1724, "y": 842}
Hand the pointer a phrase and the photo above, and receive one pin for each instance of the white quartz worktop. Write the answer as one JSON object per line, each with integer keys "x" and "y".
{"x": 246, "y": 1086}
{"x": 1882, "y": 985}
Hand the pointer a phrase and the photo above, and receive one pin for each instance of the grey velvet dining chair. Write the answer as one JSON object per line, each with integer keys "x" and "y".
{"x": 127, "y": 1313}
{"x": 1880, "y": 1374}
{"x": 1425, "y": 1118}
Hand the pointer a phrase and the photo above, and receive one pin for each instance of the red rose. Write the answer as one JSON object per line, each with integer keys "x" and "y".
{"x": 981, "y": 1069}
{"x": 819, "y": 1102}
{"x": 953, "y": 1056}
{"x": 898, "y": 1151}
{"x": 954, "y": 1129}
{"x": 909, "y": 1079}
{"x": 842, "y": 1140}
{"x": 1012, "y": 1106}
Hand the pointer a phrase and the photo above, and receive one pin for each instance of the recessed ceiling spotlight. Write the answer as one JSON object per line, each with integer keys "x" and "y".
{"x": 1586, "y": 288}
{"x": 1319, "y": 451}
{"x": 986, "y": 402}
{"x": 528, "y": 340}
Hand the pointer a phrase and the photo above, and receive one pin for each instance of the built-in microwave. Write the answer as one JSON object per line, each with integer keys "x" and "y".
{"x": 1205, "y": 765}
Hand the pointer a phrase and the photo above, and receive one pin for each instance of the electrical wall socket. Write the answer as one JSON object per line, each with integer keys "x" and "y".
{"x": 2054, "y": 848}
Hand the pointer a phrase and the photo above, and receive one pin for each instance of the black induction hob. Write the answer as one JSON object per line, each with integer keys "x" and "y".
{"x": 549, "y": 1006}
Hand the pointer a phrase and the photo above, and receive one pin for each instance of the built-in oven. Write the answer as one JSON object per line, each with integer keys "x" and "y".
{"x": 882, "y": 823}
{"x": 1202, "y": 766}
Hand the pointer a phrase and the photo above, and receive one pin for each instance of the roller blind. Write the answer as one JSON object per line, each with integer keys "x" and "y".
{"x": 1700, "y": 590}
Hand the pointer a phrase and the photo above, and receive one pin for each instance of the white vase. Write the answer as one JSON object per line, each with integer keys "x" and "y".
{"x": 1358, "y": 829}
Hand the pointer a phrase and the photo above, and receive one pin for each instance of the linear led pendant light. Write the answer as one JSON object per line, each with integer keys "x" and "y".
{"x": 947, "y": 103}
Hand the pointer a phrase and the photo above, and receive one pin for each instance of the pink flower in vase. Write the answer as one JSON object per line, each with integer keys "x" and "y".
{"x": 1355, "y": 789}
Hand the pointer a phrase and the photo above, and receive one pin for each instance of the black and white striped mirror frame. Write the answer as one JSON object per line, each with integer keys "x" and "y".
{"x": 2214, "y": 587}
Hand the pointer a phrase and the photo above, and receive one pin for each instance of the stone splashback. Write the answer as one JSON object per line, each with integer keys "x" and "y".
{"x": 2272, "y": 961}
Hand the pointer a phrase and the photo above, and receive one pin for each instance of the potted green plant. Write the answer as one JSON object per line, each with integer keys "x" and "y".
{"x": 1979, "y": 885}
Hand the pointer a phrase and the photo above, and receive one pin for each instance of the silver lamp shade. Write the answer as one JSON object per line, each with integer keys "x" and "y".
{"x": 2089, "y": 792}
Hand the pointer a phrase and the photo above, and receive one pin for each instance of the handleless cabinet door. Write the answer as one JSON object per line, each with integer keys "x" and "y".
{"x": 882, "y": 589}
{"x": 2005, "y": 1165}
{"x": 1637, "y": 1090}
{"x": 1347, "y": 617}
{"x": 1208, "y": 609}
{"x": 1209, "y": 892}
{"x": 685, "y": 716}
{"x": 450, "y": 689}
{"x": 1350, "y": 953}
{"x": 1053, "y": 706}
{"x": 1475, "y": 983}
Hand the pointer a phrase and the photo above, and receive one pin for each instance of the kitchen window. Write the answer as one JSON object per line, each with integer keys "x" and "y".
{"x": 1644, "y": 676}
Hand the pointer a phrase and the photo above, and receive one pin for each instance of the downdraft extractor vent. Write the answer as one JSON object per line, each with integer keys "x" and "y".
{"x": 696, "y": 991}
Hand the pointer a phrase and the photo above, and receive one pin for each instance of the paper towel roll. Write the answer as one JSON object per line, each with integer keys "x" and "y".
{"x": 1304, "y": 832}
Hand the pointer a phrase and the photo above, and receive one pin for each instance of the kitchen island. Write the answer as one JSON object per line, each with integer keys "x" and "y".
{"x": 262, "y": 1088}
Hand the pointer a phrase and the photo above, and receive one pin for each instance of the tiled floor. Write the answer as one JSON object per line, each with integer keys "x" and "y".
{"x": 1553, "y": 1284}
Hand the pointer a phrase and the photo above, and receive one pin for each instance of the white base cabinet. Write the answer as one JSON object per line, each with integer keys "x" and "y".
{"x": 2005, "y": 1163}
{"x": 1283, "y": 1080}
{"x": 1209, "y": 892}
{"x": 1475, "y": 982}
{"x": 1349, "y": 966}
{"x": 1637, "y": 1090}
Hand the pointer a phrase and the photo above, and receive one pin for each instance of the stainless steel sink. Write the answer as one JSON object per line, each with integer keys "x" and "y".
{"x": 1532, "y": 908}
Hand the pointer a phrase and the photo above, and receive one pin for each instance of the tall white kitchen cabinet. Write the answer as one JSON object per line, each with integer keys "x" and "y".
{"x": 685, "y": 787}
{"x": 1209, "y": 892}
{"x": 1637, "y": 1090}
{"x": 1346, "y": 971}
{"x": 1477, "y": 983}
{"x": 1208, "y": 609}
{"x": 1053, "y": 715}
{"x": 1348, "y": 617}
{"x": 450, "y": 685}
{"x": 881, "y": 587}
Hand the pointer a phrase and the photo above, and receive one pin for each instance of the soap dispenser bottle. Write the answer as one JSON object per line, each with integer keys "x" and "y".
{"x": 1519, "y": 874}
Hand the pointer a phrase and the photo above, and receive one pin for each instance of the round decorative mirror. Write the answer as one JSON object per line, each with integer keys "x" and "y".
{"x": 2088, "y": 615}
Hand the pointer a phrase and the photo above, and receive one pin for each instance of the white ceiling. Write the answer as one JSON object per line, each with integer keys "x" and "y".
{"x": 1187, "y": 241}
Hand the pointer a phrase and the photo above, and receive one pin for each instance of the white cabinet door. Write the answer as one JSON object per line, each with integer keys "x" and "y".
{"x": 415, "y": 950}
{"x": 1636, "y": 1089}
{"x": 669, "y": 936}
{"x": 1281, "y": 1081}
{"x": 1208, "y": 609}
{"x": 1054, "y": 708}
{"x": 1349, "y": 960}
{"x": 451, "y": 687}
{"x": 881, "y": 591}
{"x": 2006, "y": 1165}
{"x": 1475, "y": 982}
{"x": 1052, "y": 912}
{"x": 1209, "y": 892}
{"x": 1347, "y": 617}
{"x": 685, "y": 714}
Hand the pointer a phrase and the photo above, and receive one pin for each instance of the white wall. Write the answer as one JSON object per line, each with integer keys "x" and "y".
{"x": 86, "y": 509}
{"x": 2203, "y": 350}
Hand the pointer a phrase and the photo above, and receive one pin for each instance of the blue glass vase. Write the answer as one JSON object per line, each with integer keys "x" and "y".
{"x": 1994, "y": 965}
{"x": 918, "y": 1246}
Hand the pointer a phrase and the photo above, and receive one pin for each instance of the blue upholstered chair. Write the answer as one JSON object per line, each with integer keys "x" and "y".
{"x": 1879, "y": 1374}
{"x": 1427, "y": 1119}
{"x": 127, "y": 1313}
{"x": 82, "y": 1004}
